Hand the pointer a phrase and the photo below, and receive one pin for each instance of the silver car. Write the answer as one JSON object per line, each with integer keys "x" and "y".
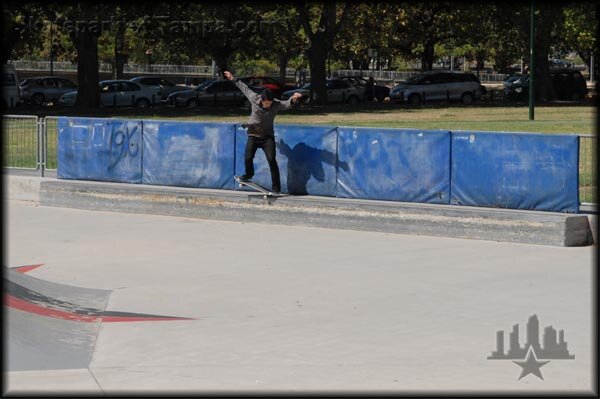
{"x": 44, "y": 89}
{"x": 119, "y": 93}
{"x": 436, "y": 86}
{"x": 166, "y": 86}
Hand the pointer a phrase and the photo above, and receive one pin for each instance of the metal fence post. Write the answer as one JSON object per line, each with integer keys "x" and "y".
{"x": 41, "y": 123}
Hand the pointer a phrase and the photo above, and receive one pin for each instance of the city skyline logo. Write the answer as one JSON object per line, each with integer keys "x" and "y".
{"x": 527, "y": 356}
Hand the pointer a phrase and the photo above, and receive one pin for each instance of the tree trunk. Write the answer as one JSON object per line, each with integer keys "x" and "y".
{"x": 119, "y": 57}
{"x": 586, "y": 56}
{"x": 544, "y": 90}
{"x": 283, "y": 63}
{"x": 318, "y": 71}
{"x": 221, "y": 62}
{"x": 88, "y": 93}
{"x": 544, "y": 24}
{"x": 480, "y": 63}
{"x": 427, "y": 57}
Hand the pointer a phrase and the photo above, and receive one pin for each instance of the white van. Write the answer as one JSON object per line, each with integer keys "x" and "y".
{"x": 10, "y": 86}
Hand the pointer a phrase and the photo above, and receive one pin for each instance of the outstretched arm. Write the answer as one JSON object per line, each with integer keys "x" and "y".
{"x": 285, "y": 105}
{"x": 242, "y": 86}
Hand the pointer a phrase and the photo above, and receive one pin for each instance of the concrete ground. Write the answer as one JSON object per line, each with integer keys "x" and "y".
{"x": 289, "y": 308}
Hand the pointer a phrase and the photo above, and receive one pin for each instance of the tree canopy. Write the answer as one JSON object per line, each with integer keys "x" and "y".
{"x": 273, "y": 36}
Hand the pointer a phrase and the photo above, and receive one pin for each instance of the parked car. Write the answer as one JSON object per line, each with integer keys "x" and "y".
{"x": 119, "y": 93}
{"x": 166, "y": 86}
{"x": 558, "y": 63}
{"x": 568, "y": 85}
{"x": 272, "y": 84}
{"x": 43, "y": 89}
{"x": 215, "y": 92}
{"x": 380, "y": 92}
{"x": 338, "y": 91}
{"x": 465, "y": 87}
{"x": 510, "y": 79}
{"x": 187, "y": 98}
{"x": 10, "y": 88}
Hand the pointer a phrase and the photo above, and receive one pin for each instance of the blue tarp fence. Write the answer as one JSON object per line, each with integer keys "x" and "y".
{"x": 100, "y": 149}
{"x": 189, "y": 154}
{"x": 492, "y": 169}
{"x": 394, "y": 164}
{"x": 514, "y": 170}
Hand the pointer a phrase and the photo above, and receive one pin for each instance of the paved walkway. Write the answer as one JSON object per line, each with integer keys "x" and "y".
{"x": 297, "y": 308}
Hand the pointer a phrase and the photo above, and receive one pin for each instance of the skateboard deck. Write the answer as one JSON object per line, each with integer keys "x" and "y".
{"x": 257, "y": 187}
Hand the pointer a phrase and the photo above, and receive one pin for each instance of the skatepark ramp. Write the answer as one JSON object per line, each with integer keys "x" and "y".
{"x": 50, "y": 326}
{"x": 53, "y": 326}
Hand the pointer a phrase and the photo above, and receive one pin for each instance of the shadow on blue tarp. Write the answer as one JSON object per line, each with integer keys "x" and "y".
{"x": 306, "y": 156}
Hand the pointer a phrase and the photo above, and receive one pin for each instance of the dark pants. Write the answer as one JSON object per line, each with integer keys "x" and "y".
{"x": 267, "y": 144}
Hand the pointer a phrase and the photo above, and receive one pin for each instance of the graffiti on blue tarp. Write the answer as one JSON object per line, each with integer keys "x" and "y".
{"x": 121, "y": 144}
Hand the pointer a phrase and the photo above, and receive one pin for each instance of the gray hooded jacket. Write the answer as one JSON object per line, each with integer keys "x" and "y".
{"x": 261, "y": 119}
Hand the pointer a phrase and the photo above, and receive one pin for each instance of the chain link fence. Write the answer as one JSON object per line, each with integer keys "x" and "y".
{"x": 588, "y": 169}
{"x": 50, "y": 129}
{"x": 21, "y": 142}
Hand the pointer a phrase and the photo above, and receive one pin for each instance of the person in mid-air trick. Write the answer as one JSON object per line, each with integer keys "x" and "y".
{"x": 260, "y": 129}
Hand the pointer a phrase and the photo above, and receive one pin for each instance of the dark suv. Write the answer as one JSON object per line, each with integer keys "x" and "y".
{"x": 568, "y": 85}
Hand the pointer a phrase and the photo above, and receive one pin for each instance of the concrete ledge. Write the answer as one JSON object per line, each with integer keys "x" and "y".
{"x": 544, "y": 228}
{"x": 22, "y": 188}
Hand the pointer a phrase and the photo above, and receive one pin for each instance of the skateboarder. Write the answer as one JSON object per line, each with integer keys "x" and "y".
{"x": 260, "y": 129}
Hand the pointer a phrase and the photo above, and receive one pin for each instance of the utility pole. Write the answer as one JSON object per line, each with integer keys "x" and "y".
{"x": 531, "y": 66}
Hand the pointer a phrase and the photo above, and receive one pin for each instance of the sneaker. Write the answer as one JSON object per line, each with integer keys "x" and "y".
{"x": 276, "y": 192}
{"x": 244, "y": 178}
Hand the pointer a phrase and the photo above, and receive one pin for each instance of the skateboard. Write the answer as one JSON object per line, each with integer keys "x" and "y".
{"x": 257, "y": 187}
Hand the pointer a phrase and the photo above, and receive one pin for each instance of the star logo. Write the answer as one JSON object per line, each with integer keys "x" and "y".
{"x": 551, "y": 346}
{"x": 531, "y": 365}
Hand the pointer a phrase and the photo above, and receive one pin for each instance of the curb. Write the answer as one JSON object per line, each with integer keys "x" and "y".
{"x": 531, "y": 227}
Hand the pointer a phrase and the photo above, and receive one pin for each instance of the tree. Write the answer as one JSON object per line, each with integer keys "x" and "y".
{"x": 81, "y": 23}
{"x": 374, "y": 27}
{"x": 476, "y": 33}
{"x": 321, "y": 33}
{"x": 22, "y": 27}
{"x": 513, "y": 27}
{"x": 510, "y": 31}
{"x": 579, "y": 29}
{"x": 287, "y": 40}
{"x": 423, "y": 26}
